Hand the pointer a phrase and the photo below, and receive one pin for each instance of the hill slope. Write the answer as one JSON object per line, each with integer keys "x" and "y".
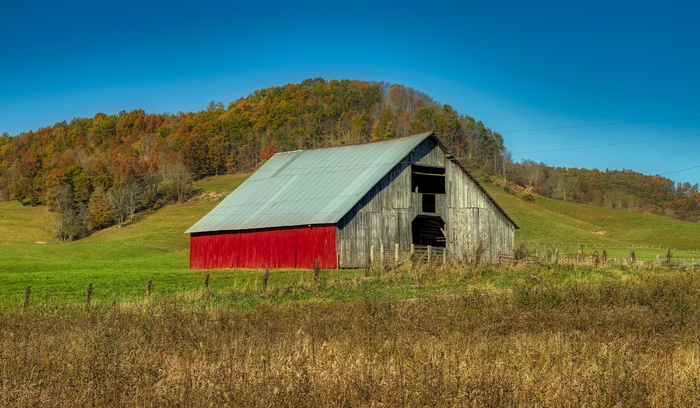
{"x": 160, "y": 232}
{"x": 76, "y": 165}
{"x": 119, "y": 261}
{"x": 560, "y": 222}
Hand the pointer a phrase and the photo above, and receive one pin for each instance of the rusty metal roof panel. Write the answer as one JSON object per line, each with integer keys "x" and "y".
{"x": 305, "y": 187}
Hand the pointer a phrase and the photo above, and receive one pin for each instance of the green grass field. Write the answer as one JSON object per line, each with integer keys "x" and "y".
{"x": 119, "y": 261}
{"x": 568, "y": 225}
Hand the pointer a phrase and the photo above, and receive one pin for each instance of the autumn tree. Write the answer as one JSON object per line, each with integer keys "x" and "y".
{"x": 101, "y": 213}
{"x": 151, "y": 182}
{"x": 126, "y": 198}
{"x": 104, "y": 151}
{"x": 177, "y": 182}
{"x": 70, "y": 221}
{"x": 385, "y": 127}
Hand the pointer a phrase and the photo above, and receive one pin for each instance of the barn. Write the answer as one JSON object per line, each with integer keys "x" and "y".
{"x": 345, "y": 206}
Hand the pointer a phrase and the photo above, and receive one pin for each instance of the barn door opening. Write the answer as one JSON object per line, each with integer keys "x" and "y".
{"x": 429, "y": 230}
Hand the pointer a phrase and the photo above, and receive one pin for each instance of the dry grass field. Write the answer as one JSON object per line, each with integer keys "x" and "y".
{"x": 607, "y": 342}
{"x": 523, "y": 336}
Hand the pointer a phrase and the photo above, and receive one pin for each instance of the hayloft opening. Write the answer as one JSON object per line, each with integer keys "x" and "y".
{"x": 427, "y": 180}
{"x": 429, "y": 230}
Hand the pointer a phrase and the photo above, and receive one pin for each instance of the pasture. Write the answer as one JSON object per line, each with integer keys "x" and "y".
{"x": 120, "y": 261}
{"x": 417, "y": 335}
{"x": 627, "y": 340}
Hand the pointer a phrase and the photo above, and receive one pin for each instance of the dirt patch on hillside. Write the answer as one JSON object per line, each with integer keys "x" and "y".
{"x": 212, "y": 196}
{"x": 600, "y": 232}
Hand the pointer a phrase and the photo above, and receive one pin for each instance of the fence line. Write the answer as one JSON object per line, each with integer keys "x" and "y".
{"x": 600, "y": 246}
{"x": 599, "y": 259}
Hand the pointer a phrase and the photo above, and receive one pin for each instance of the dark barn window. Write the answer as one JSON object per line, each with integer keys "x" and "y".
{"x": 427, "y": 180}
{"x": 428, "y": 203}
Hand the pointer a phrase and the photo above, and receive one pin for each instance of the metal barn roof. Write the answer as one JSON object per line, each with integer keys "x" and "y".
{"x": 307, "y": 186}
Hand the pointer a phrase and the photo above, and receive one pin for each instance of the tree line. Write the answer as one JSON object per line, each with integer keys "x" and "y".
{"x": 622, "y": 189}
{"x": 96, "y": 172}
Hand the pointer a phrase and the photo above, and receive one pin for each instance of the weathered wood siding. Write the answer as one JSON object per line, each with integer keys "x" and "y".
{"x": 384, "y": 216}
{"x": 476, "y": 227}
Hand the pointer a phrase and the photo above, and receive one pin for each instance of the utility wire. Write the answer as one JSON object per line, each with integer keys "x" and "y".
{"x": 610, "y": 144}
{"x": 678, "y": 171}
{"x": 597, "y": 125}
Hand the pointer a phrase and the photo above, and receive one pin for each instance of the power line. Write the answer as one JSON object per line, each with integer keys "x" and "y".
{"x": 598, "y": 124}
{"x": 678, "y": 171}
{"x": 610, "y": 144}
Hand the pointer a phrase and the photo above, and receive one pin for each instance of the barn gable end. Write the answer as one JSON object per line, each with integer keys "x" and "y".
{"x": 474, "y": 225}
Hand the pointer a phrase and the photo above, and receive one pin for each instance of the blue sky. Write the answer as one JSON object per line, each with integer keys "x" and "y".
{"x": 558, "y": 67}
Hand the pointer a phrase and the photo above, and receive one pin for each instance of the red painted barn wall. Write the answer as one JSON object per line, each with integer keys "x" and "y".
{"x": 297, "y": 247}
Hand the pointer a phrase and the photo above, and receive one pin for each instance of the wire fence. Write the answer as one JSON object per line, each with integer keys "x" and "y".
{"x": 600, "y": 258}
{"x": 549, "y": 253}
{"x": 590, "y": 247}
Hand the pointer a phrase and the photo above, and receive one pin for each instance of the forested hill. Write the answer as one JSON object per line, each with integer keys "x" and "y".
{"x": 625, "y": 189}
{"x": 95, "y": 172}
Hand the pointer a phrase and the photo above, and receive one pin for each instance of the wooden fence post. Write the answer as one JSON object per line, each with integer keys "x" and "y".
{"x": 396, "y": 253}
{"x": 429, "y": 248}
{"x": 27, "y": 292}
{"x": 207, "y": 290}
{"x": 88, "y": 295}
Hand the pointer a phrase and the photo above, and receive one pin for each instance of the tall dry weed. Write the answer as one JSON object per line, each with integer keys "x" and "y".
{"x": 614, "y": 342}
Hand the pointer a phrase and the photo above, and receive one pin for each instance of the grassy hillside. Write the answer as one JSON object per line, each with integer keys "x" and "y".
{"x": 119, "y": 261}
{"x": 23, "y": 224}
{"x": 565, "y": 223}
